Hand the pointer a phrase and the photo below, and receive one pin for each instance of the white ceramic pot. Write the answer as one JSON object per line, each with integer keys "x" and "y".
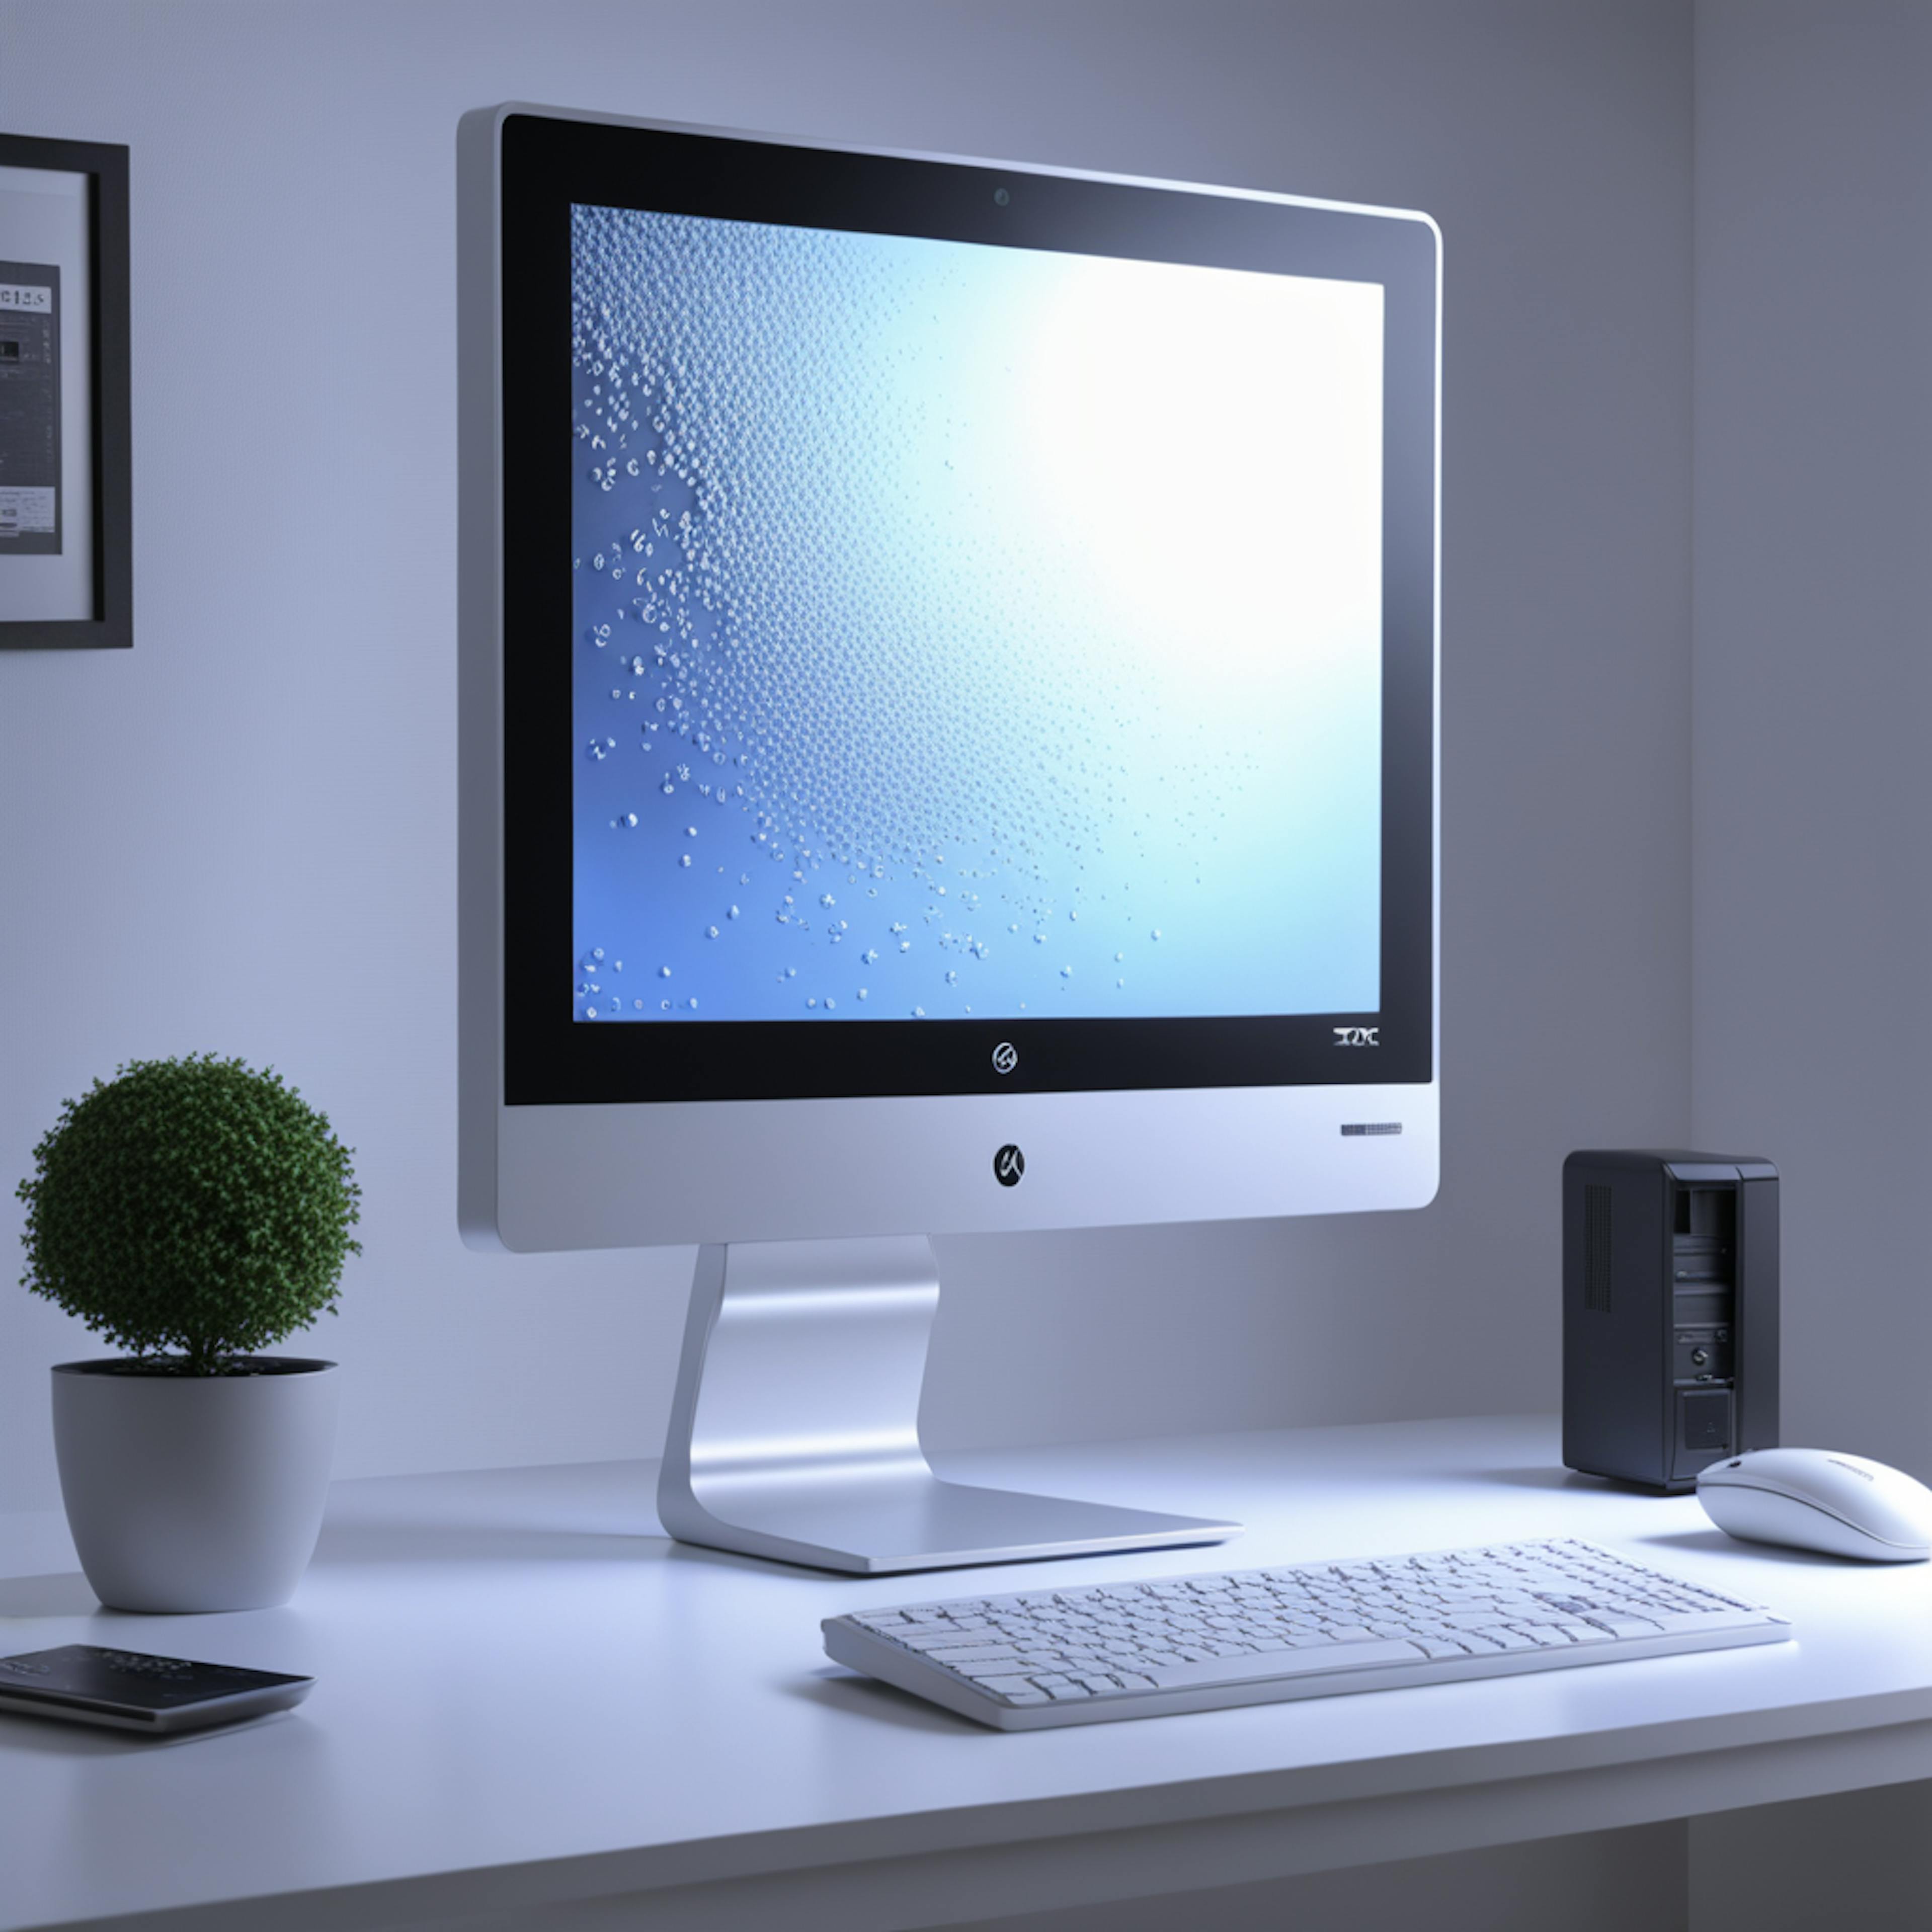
{"x": 195, "y": 1492}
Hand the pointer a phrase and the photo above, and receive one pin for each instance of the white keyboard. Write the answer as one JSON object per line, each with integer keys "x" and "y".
{"x": 1083, "y": 1654}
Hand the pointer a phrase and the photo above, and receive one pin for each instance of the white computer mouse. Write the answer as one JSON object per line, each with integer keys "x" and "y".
{"x": 1820, "y": 1499}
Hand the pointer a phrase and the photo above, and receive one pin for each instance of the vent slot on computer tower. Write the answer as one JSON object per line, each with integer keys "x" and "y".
{"x": 1596, "y": 1248}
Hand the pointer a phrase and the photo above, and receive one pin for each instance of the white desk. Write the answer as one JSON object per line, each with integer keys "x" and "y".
{"x": 527, "y": 1697}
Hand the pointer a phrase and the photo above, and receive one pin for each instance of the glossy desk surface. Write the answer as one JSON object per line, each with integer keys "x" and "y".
{"x": 529, "y": 1701}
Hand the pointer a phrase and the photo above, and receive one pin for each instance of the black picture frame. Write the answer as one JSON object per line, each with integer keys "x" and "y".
{"x": 110, "y": 624}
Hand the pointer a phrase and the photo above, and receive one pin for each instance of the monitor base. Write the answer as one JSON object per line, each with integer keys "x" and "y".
{"x": 794, "y": 1430}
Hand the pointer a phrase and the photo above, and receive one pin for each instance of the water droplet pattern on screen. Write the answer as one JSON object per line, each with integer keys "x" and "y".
{"x": 879, "y": 715}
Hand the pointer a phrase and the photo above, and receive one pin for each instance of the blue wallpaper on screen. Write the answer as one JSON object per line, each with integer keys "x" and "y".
{"x": 965, "y": 630}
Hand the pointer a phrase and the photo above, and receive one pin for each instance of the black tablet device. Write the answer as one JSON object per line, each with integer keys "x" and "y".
{"x": 133, "y": 1691}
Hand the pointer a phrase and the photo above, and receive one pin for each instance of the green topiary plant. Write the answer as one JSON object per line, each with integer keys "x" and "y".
{"x": 193, "y": 1211}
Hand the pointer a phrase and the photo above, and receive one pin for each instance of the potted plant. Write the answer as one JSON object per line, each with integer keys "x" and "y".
{"x": 193, "y": 1212}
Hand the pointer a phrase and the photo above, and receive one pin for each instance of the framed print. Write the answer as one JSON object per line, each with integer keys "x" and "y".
{"x": 65, "y": 562}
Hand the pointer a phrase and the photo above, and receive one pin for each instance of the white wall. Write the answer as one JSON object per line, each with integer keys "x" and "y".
{"x": 242, "y": 835}
{"x": 1813, "y": 679}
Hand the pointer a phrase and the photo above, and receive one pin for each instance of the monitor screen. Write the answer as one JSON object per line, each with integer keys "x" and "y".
{"x": 964, "y": 631}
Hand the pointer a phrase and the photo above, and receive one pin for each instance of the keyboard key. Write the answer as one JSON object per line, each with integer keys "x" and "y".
{"x": 1505, "y": 1639}
{"x": 1628, "y": 1626}
{"x": 1677, "y": 1621}
{"x": 1292, "y": 1663}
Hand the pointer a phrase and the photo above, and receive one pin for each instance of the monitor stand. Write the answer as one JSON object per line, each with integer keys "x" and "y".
{"x": 794, "y": 1432}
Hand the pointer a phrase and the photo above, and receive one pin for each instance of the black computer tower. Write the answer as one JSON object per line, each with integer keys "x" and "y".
{"x": 1670, "y": 1312}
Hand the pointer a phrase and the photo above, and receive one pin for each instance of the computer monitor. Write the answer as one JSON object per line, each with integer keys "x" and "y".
{"x": 949, "y": 743}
